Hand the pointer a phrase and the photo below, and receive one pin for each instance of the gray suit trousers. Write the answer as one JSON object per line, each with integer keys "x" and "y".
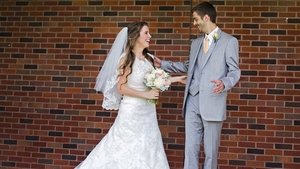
{"x": 200, "y": 131}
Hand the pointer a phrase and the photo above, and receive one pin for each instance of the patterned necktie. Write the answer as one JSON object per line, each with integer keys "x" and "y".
{"x": 206, "y": 44}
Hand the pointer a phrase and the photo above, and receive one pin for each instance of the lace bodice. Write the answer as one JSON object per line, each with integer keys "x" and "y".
{"x": 136, "y": 78}
{"x": 112, "y": 99}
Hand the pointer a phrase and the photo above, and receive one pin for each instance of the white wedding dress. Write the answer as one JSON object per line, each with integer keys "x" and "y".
{"x": 134, "y": 140}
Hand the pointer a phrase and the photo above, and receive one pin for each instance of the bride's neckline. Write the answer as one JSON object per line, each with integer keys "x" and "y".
{"x": 141, "y": 58}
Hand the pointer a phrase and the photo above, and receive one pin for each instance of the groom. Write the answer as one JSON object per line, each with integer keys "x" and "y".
{"x": 212, "y": 70}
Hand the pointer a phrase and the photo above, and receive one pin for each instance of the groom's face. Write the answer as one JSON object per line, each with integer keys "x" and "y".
{"x": 199, "y": 22}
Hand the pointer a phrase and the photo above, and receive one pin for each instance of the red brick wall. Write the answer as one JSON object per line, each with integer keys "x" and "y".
{"x": 51, "y": 52}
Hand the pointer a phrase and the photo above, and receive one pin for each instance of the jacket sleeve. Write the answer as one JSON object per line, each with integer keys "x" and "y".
{"x": 232, "y": 62}
{"x": 175, "y": 67}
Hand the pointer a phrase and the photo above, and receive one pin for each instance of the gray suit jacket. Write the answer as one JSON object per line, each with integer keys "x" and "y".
{"x": 222, "y": 63}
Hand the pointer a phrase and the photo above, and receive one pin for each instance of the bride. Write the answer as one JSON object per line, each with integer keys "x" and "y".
{"x": 134, "y": 140}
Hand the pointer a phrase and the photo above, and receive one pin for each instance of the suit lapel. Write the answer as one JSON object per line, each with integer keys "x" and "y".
{"x": 198, "y": 46}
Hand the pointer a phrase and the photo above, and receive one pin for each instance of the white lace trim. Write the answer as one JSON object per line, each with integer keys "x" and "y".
{"x": 112, "y": 98}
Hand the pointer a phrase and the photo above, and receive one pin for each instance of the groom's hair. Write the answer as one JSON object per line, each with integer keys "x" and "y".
{"x": 206, "y": 8}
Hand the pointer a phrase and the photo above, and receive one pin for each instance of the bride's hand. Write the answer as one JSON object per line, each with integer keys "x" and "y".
{"x": 180, "y": 79}
{"x": 152, "y": 94}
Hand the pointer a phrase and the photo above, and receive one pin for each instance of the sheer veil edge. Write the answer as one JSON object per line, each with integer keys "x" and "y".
{"x": 107, "y": 79}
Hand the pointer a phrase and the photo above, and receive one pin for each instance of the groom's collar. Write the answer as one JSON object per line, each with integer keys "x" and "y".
{"x": 211, "y": 34}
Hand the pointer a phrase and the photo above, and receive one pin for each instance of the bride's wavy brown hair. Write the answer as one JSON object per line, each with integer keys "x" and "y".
{"x": 134, "y": 30}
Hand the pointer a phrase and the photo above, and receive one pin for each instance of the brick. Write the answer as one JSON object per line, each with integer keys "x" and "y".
{"x": 39, "y": 50}
{"x": 165, "y": 30}
{"x": 292, "y": 104}
{"x": 142, "y": 2}
{"x": 94, "y": 130}
{"x": 5, "y": 34}
{"x": 61, "y": 45}
{"x": 166, "y": 8}
{"x": 32, "y": 138}
{"x": 85, "y": 29}
{"x": 255, "y": 151}
{"x": 103, "y": 114}
{"x": 244, "y": 96}
{"x": 70, "y": 146}
{"x": 278, "y": 32}
{"x": 8, "y": 164}
{"x": 254, "y": 26}
{"x": 257, "y": 126}
{"x": 274, "y": 91}
{"x": 29, "y": 121}
{"x": 269, "y": 14}
{"x": 35, "y": 24}
{"x": 237, "y": 162}
{"x": 30, "y": 66}
{"x": 87, "y": 101}
{"x": 175, "y": 146}
{"x": 12, "y": 142}
{"x": 68, "y": 157}
{"x": 273, "y": 165}
{"x": 88, "y": 19}
{"x": 229, "y": 131}
{"x": 64, "y": 3}
{"x": 293, "y": 68}
{"x": 94, "y": 2}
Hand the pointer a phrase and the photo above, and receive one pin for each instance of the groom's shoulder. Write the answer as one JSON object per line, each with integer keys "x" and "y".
{"x": 227, "y": 35}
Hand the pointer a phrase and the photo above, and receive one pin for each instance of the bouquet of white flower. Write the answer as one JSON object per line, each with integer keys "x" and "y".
{"x": 157, "y": 79}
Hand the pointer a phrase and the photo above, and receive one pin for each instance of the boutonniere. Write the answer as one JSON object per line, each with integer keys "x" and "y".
{"x": 216, "y": 37}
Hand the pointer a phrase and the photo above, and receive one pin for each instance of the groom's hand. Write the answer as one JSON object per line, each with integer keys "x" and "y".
{"x": 219, "y": 86}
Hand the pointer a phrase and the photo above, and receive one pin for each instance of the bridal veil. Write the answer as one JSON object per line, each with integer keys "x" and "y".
{"x": 107, "y": 78}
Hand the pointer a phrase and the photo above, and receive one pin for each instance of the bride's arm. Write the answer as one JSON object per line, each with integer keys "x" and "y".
{"x": 125, "y": 90}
